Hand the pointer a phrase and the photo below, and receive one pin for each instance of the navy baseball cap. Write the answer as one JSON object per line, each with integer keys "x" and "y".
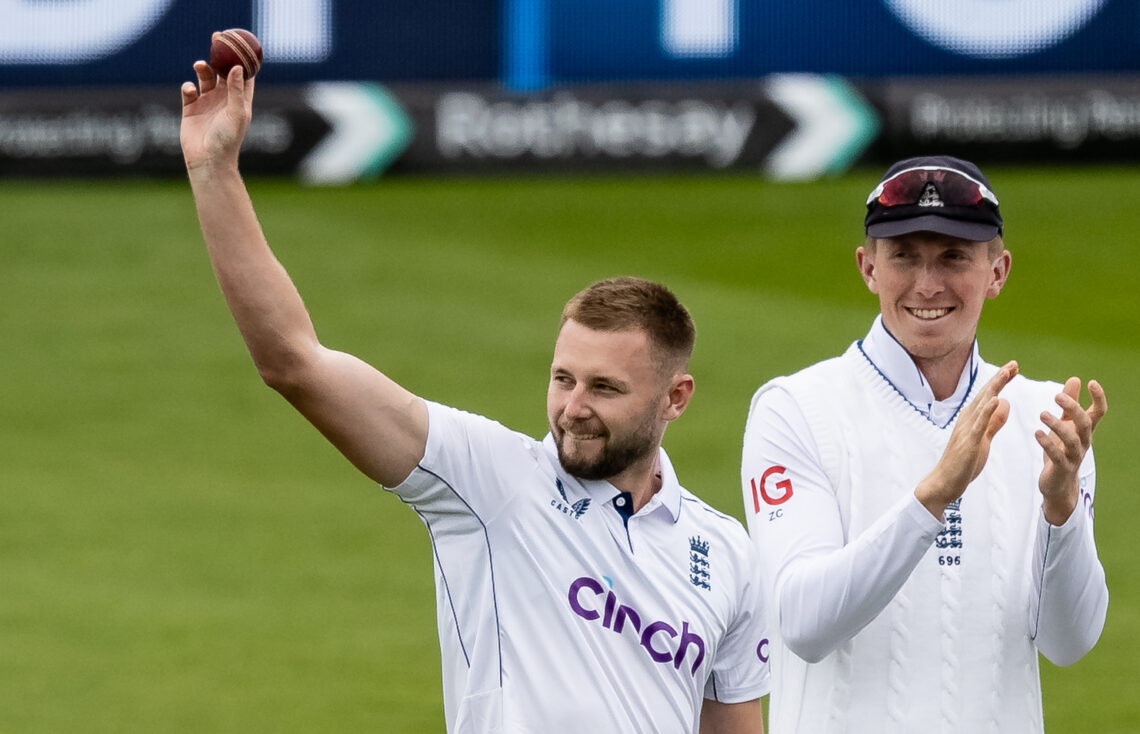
{"x": 937, "y": 193}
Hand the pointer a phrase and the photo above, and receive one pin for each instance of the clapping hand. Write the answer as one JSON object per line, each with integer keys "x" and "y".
{"x": 1065, "y": 445}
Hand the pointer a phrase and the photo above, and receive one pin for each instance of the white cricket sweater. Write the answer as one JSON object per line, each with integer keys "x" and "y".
{"x": 910, "y": 624}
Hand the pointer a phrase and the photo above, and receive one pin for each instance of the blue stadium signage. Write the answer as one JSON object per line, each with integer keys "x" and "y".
{"x": 534, "y": 44}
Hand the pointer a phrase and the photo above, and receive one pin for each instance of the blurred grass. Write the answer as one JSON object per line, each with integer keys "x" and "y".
{"x": 180, "y": 552}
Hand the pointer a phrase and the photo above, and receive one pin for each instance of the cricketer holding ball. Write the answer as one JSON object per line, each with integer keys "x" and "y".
{"x": 580, "y": 587}
{"x": 924, "y": 518}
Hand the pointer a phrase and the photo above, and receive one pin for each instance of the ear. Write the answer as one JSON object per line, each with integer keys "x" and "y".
{"x": 1000, "y": 273}
{"x": 678, "y": 397}
{"x": 865, "y": 259}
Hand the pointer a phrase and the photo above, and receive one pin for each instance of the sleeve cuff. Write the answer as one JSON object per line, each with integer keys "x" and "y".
{"x": 927, "y": 524}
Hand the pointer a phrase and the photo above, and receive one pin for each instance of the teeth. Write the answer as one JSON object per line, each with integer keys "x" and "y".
{"x": 929, "y": 313}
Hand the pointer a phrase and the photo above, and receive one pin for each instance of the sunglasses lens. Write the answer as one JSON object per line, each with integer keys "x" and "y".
{"x": 932, "y": 187}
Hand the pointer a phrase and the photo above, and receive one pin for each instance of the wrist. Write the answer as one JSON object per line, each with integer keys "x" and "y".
{"x": 931, "y": 495}
{"x": 1058, "y": 510}
{"x": 213, "y": 173}
{"x": 209, "y": 166}
{"x": 1058, "y": 504}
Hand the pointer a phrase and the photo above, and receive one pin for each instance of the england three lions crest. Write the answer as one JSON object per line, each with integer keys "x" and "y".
{"x": 699, "y": 569}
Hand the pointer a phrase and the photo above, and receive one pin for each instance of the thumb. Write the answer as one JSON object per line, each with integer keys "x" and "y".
{"x": 997, "y": 419}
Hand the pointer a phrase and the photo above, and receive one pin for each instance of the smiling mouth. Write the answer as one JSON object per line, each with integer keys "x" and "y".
{"x": 929, "y": 314}
{"x": 583, "y": 436}
{"x": 580, "y": 435}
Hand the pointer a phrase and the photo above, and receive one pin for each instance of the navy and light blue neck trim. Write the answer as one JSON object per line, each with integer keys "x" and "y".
{"x": 891, "y": 360}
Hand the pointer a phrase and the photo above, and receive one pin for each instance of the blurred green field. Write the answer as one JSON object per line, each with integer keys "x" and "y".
{"x": 180, "y": 552}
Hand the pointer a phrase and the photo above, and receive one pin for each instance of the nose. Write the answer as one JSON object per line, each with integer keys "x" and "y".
{"x": 576, "y": 405}
{"x": 928, "y": 282}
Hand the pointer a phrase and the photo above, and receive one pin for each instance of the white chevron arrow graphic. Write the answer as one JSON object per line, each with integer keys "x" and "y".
{"x": 834, "y": 124}
{"x": 369, "y": 130}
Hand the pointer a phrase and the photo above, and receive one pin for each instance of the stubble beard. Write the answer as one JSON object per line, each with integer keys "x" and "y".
{"x": 616, "y": 455}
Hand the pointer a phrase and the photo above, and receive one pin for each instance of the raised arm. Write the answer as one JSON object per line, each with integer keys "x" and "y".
{"x": 378, "y": 425}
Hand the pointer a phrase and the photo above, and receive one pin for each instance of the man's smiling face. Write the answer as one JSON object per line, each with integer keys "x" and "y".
{"x": 931, "y": 289}
{"x": 605, "y": 401}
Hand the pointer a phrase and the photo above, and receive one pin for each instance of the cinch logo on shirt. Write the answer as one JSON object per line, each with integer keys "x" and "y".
{"x": 591, "y": 601}
{"x": 762, "y": 650}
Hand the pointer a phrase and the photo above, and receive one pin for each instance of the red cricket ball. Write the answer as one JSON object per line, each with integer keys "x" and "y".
{"x": 235, "y": 47}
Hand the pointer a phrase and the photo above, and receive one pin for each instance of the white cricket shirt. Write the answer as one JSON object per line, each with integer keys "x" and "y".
{"x": 559, "y": 611}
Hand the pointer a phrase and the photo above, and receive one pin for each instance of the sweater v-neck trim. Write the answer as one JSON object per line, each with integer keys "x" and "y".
{"x": 888, "y": 391}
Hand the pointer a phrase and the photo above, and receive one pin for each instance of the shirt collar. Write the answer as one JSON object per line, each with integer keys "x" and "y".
{"x": 893, "y": 361}
{"x": 668, "y": 498}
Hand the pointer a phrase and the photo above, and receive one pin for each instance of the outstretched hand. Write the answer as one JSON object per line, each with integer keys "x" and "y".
{"x": 1065, "y": 445}
{"x": 969, "y": 445}
{"x": 215, "y": 116}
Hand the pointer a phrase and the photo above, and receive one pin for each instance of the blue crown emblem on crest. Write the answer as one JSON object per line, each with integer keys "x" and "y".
{"x": 699, "y": 569}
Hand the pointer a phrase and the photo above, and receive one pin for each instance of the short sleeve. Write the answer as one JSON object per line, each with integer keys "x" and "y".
{"x": 463, "y": 465}
{"x": 740, "y": 671}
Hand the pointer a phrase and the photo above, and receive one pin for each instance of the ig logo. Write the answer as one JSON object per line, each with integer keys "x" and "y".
{"x": 772, "y": 491}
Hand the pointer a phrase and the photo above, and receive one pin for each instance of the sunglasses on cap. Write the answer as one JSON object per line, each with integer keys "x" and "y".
{"x": 931, "y": 186}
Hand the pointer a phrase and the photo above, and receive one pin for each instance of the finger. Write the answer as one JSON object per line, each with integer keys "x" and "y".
{"x": 1055, "y": 449}
{"x": 1072, "y": 388}
{"x": 983, "y": 421}
{"x": 1066, "y": 436}
{"x": 1099, "y": 402}
{"x": 998, "y": 417}
{"x": 1071, "y": 410}
{"x": 980, "y": 407}
{"x": 206, "y": 78}
{"x": 998, "y": 382}
{"x": 189, "y": 93}
{"x": 236, "y": 83}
